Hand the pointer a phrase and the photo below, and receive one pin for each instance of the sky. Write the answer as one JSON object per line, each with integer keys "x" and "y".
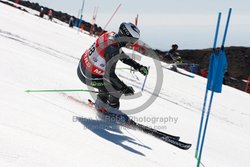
{"x": 191, "y": 24}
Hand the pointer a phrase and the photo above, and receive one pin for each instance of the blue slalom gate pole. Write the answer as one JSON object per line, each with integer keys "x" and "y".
{"x": 225, "y": 33}
{"x": 80, "y": 20}
{"x": 205, "y": 98}
{"x": 218, "y": 75}
{"x": 205, "y": 129}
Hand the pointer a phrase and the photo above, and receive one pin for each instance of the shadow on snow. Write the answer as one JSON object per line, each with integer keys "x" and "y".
{"x": 110, "y": 131}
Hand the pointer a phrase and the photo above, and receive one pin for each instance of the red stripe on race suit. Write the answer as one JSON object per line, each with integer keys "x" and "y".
{"x": 91, "y": 67}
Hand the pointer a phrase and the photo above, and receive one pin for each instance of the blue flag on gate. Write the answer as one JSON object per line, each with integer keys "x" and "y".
{"x": 212, "y": 70}
{"x": 217, "y": 68}
{"x": 221, "y": 69}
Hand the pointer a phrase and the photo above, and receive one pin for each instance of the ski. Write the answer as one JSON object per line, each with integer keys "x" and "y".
{"x": 190, "y": 76}
{"x": 154, "y": 132}
{"x": 177, "y": 143}
{"x": 127, "y": 122}
{"x": 173, "y": 140}
{"x": 120, "y": 119}
{"x": 179, "y": 72}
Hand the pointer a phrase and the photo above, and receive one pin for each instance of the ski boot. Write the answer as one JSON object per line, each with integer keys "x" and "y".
{"x": 100, "y": 105}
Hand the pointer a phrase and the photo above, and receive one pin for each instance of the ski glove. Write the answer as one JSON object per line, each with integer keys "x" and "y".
{"x": 128, "y": 91}
{"x": 179, "y": 59}
{"x": 143, "y": 70}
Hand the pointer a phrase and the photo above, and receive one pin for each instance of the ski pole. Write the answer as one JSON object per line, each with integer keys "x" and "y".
{"x": 66, "y": 90}
{"x": 145, "y": 80}
{"x": 123, "y": 68}
{"x": 61, "y": 90}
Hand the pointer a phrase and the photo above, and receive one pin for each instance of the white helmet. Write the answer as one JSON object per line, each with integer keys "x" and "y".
{"x": 129, "y": 30}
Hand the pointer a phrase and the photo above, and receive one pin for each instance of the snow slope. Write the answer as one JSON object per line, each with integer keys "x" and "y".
{"x": 39, "y": 129}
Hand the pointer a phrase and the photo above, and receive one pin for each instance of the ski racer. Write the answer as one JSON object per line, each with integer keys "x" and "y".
{"x": 175, "y": 56}
{"x": 97, "y": 66}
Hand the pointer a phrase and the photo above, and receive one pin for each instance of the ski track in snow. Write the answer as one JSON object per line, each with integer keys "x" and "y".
{"x": 45, "y": 49}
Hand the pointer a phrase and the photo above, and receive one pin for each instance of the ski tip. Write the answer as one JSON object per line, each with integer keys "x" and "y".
{"x": 176, "y": 138}
{"x": 186, "y": 147}
{"x": 189, "y": 146}
{"x": 90, "y": 103}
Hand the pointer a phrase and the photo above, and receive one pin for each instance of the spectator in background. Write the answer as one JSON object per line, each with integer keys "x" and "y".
{"x": 50, "y": 14}
{"x": 226, "y": 78}
{"x": 204, "y": 72}
{"x": 71, "y": 22}
{"x": 41, "y": 13}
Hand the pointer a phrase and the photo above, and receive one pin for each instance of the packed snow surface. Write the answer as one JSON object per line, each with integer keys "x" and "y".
{"x": 40, "y": 129}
